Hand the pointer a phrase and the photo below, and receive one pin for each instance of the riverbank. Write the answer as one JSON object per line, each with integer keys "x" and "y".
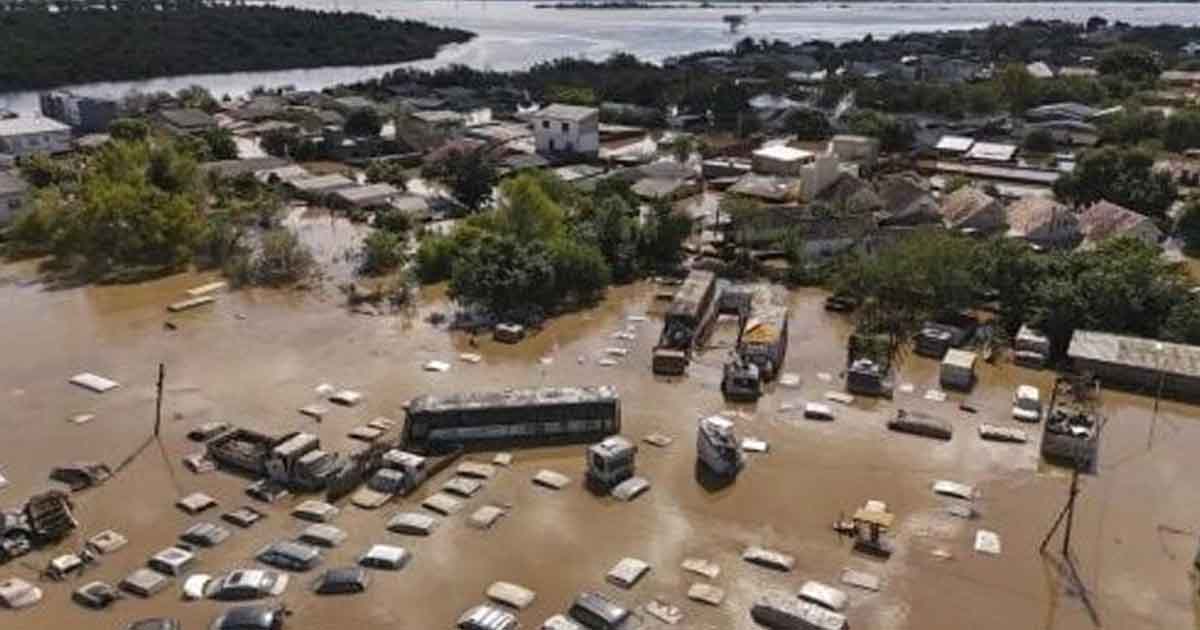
{"x": 52, "y": 49}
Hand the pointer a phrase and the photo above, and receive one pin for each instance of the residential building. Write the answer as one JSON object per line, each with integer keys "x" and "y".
{"x": 991, "y": 152}
{"x": 369, "y": 196}
{"x": 567, "y": 130}
{"x": 906, "y": 201}
{"x": 822, "y": 235}
{"x": 1043, "y": 222}
{"x": 1180, "y": 78}
{"x": 815, "y": 171}
{"x": 1104, "y": 220}
{"x": 1061, "y": 111}
{"x": 20, "y": 137}
{"x": 773, "y": 188}
{"x": 321, "y": 184}
{"x": 85, "y": 114}
{"x": 954, "y": 146}
{"x": 971, "y": 209}
{"x": 187, "y": 121}
{"x": 1138, "y": 364}
{"x": 13, "y": 190}
{"x": 850, "y": 148}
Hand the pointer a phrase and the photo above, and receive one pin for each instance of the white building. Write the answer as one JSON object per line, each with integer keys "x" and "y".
{"x": 816, "y": 172}
{"x": 567, "y": 129}
{"x": 25, "y": 136}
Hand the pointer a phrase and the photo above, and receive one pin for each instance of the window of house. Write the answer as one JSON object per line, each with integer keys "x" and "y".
{"x": 545, "y": 124}
{"x": 566, "y": 127}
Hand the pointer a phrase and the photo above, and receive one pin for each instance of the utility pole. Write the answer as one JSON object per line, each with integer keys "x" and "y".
{"x": 158, "y": 402}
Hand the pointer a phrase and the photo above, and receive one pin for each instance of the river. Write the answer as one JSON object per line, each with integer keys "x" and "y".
{"x": 513, "y": 35}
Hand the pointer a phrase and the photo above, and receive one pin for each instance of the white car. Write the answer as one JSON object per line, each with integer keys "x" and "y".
{"x": 1027, "y": 404}
{"x": 236, "y": 586}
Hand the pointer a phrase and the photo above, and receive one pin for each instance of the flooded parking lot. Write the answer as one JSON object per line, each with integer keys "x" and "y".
{"x": 254, "y": 358}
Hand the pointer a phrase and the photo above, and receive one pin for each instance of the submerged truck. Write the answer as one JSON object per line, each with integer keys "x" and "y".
{"x": 868, "y": 365}
{"x": 764, "y": 337}
{"x": 45, "y": 518}
{"x": 1071, "y": 433}
{"x": 294, "y": 460}
{"x": 717, "y": 446}
{"x": 686, "y": 317}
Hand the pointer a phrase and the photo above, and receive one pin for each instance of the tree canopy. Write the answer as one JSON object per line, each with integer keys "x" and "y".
{"x": 1124, "y": 176}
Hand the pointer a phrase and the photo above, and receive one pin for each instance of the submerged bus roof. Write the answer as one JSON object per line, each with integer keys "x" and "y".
{"x": 514, "y": 398}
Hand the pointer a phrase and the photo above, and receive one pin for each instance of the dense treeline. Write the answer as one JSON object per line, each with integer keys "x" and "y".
{"x": 43, "y": 49}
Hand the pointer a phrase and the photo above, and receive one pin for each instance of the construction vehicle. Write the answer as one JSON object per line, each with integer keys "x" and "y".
{"x": 294, "y": 460}
{"x": 610, "y": 462}
{"x": 45, "y": 518}
{"x": 690, "y": 310}
{"x": 717, "y": 446}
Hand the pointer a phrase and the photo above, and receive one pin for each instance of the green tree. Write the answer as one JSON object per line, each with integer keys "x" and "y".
{"x": 1134, "y": 125}
{"x": 364, "y": 122}
{"x": 470, "y": 176}
{"x": 41, "y": 170}
{"x": 808, "y": 125}
{"x": 1182, "y": 130}
{"x": 663, "y": 237}
{"x": 614, "y": 230}
{"x": 1183, "y": 323}
{"x": 1131, "y": 62}
{"x": 527, "y": 211}
{"x": 221, "y": 145}
{"x": 1018, "y": 88}
{"x": 893, "y": 134}
{"x": 580, "y": 270}
{"x": 130, "y": 129}
{"x": 1189, "y": 228}
{"x": 197, "y": 97}
{"x": 387, "y": 172}
{"x": 382, "y": 252}
{"x": 281, "y": 259}
{"x": 503, "y": 275}
{"x": 1039, "y": 141}
{"x": 1123, "y": 176}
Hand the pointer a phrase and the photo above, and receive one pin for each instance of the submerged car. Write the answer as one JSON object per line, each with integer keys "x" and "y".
{"x": 342, "y": 581}
{"x": 387, "y": 557}
{"x": 1027, "y": 404}
{"x": 237, "y": 586}
{"x": 598, "y": 612}
{"x": 487, "y": 617}
{"x": 290, "y": 556}
{"x": 96, "y": 595}
{"x": 155, "y": 623}
{"x": 17, "y": 593}
{"x": 250, "y": 618}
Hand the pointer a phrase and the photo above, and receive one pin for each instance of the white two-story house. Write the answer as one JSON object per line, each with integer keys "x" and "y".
{"x": 567, "y": 130}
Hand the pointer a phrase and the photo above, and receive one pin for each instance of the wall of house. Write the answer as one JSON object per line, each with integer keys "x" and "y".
{"x": 564, "y": 136}
{"x": 819, "y": 175}
{"x": 42, "y": 142}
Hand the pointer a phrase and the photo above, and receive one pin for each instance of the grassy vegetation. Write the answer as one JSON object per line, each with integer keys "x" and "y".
{"x": 44, "y": 49}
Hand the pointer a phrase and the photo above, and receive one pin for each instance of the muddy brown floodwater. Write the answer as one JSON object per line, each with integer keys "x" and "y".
{"x": 255, "y": 357}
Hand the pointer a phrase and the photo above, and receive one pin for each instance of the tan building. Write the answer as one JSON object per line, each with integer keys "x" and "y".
{"x": 1043, "y": 222}
{"x": 1104, "y": 220}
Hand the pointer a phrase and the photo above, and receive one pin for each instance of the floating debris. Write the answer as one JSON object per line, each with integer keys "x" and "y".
{"x": 987, "y": 542}
{"x": 658, "y": 439}
{"x": 624, "y": 335}
{"x": 997, "y": 433}
{"x": 551, "y": 479}
{"x": 907, "y": 388}
{"x": 627, "y": 572}
{"x": 706, "y": 594}
{"x": 548, "y": 360}
{"x": 825, "y": 377}
{"x": 470, "y": 357}
{"x": 663, "y": 611}
{"x": 703, "y": 567}
{"x": 616, "y": 352}
{"x": 789, "y": 379}
{"x": 935, "y": 395}
{"x": 196, "y": 503}
{"x": 839, "y": 397}
{"x": 95, "y": 383}
{"x": 769, "y": 559}
{"x": 606, "y": 362}
{"x": 324, "y": 389}
{"x": 199, "y": 463}
{"x": 204, "y": 289}
{"x": 436, "y": 366}
{"x": 184, "y": 305}
{"x": 107, "y": 541}
{"x": 503, "y": 459}
{"x": 941, "y": 554}
{"x": 955, "y": 489}
{"x": 636, "y": 318}
{"x": 82, "y": 418}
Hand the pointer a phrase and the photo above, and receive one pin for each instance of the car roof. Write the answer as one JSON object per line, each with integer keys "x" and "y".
{"x": 344, "y": 575}
{"x": 489, "y": 617}
{"x": 292, "y": 548}
{"x": 247, "y": 617}
{"x": 602, "y": 607}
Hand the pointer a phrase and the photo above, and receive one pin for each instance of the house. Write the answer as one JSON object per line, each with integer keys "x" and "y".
{"x": 13, "y": 190}
{"x": 321, "y": 185}
{"x": 1104, "y": 220}
{"x": 816, "y": 172}
{"x": 20, "y": 137}
{"x": 850, "y": 148}
{"x": 370, "y": 196}
{"x": 1043, "y": 222}
{"x": 1180, "y": 78}
{"x": 971, "y": 209}
{"x": 1061, "y": 111}
{"x": 821, "y": 235}
{"x": 852, "y": 195}
{"x": 772, "y": 188}
{"x": 85, "y": 114}
{"x": 186, "y": 121}
{"x": 1138, "y": 364}
{"x": 906, "y": 201}
{"x": 991, "y": 152}
{"x": 567, "y": 130}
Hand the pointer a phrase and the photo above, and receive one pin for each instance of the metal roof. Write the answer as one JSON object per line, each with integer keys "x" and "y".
{"x": 957, "y": 144}
{"x": 21, "y": 126}
{"x": 992, "y": 152}
{"x": 783, "y": 153}
{"x": 1136, "y": 352}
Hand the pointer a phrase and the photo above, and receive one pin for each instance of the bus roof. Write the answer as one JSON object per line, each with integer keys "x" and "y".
{"x": 688, "y": 298}
{"x": 513, "y": 398}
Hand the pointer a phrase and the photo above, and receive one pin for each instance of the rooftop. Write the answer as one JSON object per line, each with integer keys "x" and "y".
{"x": 1148, "y": 354}
{"x": 22, "y": 125}
{"x": 1027, "y": 214}
{"x": 362, "y": 193}
{"x": 956, "y": 144}
{"x": 1104, "y": 219}
{"x": 187, "y": 118}
{"x": 513, "y": 398}
{"x": 992, "y": 152}
{"x": 964, "y": 203}
{"x": 783, "y": 153}
{"x": 558, "y": 111}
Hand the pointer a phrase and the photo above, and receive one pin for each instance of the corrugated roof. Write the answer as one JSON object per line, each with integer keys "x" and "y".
{"x": 1137, "y": 352}
{"x": 992, "y": 152}
{"x": 1027, "y": 214}
{"x": 965, "y": 203}
{"x": 957, "y": 144}
{"x": 558, "y": 111}
{"x": 1104, "y": 219}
